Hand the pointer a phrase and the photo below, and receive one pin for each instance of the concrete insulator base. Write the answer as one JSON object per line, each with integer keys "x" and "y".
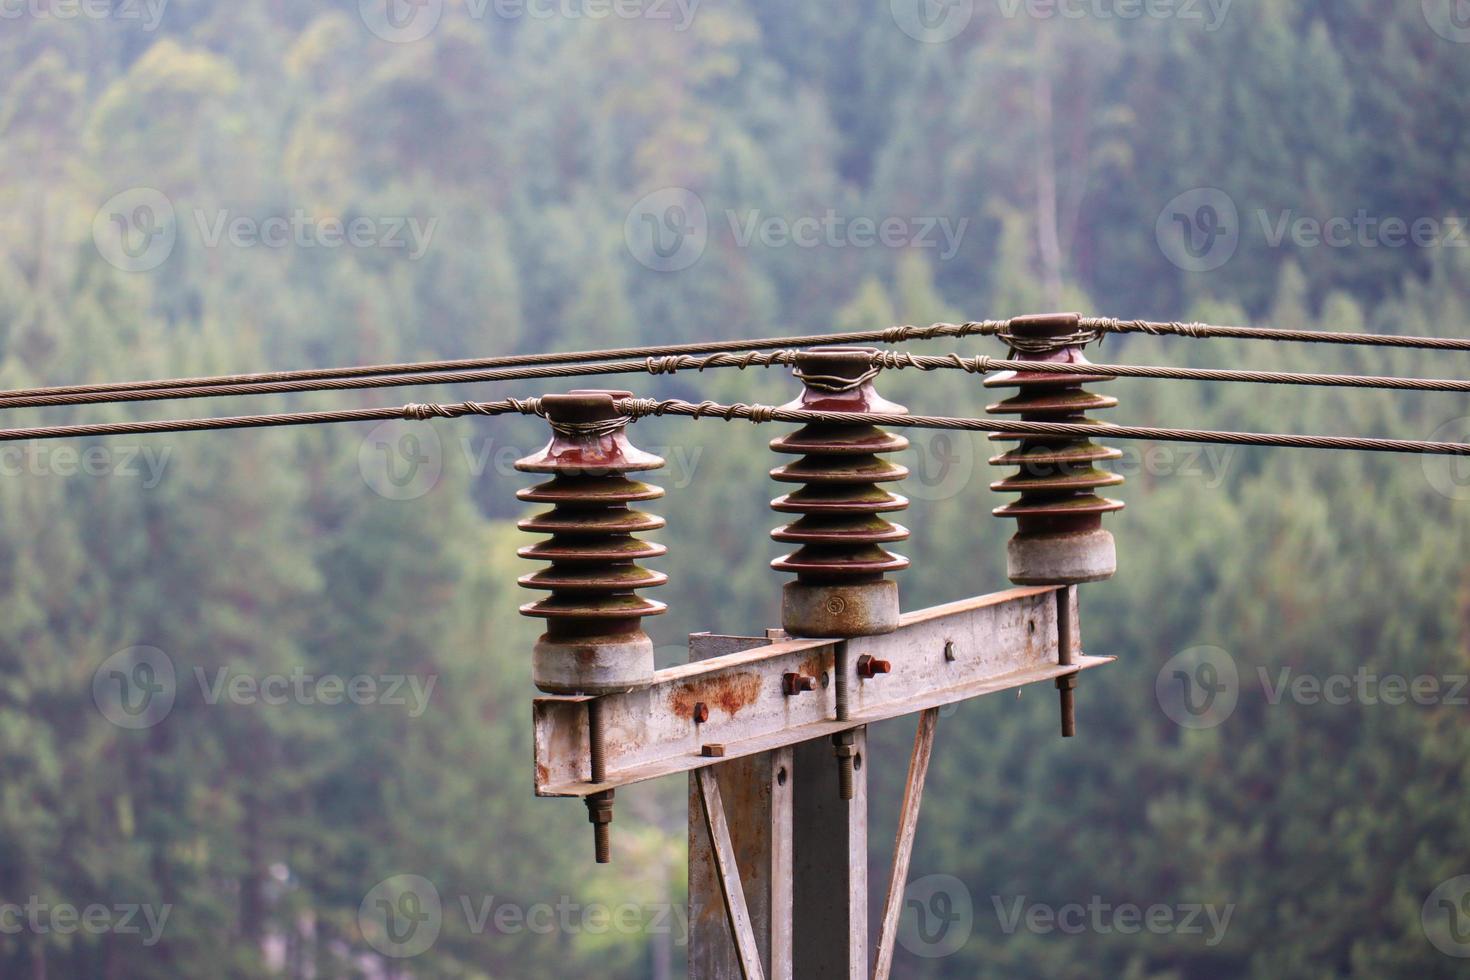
{"x": 841, "y": 611}
{"x": 1068, "y": 558}
{"x": 593, "y": 664}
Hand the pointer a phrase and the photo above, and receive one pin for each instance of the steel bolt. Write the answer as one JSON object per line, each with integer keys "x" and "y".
{"x": 793, "y": 684}
{"x": 701, "y": 713}
{"x": 870, "y": 667}
{"x": 600, "y": 814}
{"x": 599, "y": 805}
{"x": 846, "y": 751}
{"x": 1067, "y": 684}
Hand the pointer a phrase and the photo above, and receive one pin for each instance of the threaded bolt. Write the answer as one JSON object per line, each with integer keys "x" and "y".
{"x": 793, "y": 684}
{"x": 599, "y": 805}
{"x": 600, "y": 813}
{"x": 844, "y": 744}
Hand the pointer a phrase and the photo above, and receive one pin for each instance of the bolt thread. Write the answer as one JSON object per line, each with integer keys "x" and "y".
{"x": 602, "y": 842}
{"x": 596, "y": 746}
{"x": 842, "y": 696}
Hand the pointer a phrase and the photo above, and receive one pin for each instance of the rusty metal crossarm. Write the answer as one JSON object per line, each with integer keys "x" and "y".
{"x": 938, "y": 656}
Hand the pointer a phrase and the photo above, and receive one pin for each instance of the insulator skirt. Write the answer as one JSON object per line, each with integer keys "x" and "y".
{"x": 1057, "y": 478}
{"x": 594, "y": 640}
{"x": 841, "y": 500}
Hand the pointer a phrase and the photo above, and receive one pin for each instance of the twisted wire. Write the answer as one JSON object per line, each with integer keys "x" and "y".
{"x": 595, "y": 430}
{"x": 985, "y": 365}
{"x": 671, "y": 364}
{"x": 413, "y": 412}
{"x": 659, "y": 358}
{"x": 886, "y": 335}
{"x": 642, "y": 407}
{"x": 1022, "y": 344}
{"x": 832, "y": 383}
{"x": 1205, "y": 330}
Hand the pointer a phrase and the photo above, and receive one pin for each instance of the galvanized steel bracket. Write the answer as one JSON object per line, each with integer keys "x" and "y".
{"x": 939, "y": 656}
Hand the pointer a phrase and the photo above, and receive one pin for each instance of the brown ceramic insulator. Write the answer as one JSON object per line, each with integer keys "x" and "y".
{"x": 1059, "y": 539}
{"x": 841, "y": 562}
{"x": 594, "y": 641}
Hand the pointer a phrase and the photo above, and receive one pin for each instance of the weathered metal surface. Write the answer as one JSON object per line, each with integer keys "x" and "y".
{"x": 840, "y": 589}
{"x": 997, "y": 642}
{"x": 1060, "y": 538}
{"x": 727, "y": 871}
{"x": 903, "y": 847}
{"x": 757, "y": 791}
{"x": 830, "y": 863}
{"x": 594, "y": 641}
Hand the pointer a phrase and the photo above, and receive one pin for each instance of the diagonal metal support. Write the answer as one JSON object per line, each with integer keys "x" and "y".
{"x": 758, "y": 795}
{"x": 903, "y": 848}
{"x": 736, "y": 912}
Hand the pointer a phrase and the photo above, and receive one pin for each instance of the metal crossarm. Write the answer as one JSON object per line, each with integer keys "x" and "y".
{"x": 996, "y": 642}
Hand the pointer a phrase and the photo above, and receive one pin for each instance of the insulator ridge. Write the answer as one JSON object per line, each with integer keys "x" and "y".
{"x": 1060, "y": 538}
{"x": 594, "y": 641}
{"x": 841, "y": 560}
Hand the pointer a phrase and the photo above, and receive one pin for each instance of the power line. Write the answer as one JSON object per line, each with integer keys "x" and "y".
{"x": 1094, "y": 326}
{"x": 413, "y": 412}
{"x": 48, "y": 399}
{"x": 887, "y": 335}
{"x": 984, "y": 365}
{"x": 1203, "y": 330}
{"x": 642, "y": 407}
{"x": 672, "y": 364}
{"x": 645, "y": 407}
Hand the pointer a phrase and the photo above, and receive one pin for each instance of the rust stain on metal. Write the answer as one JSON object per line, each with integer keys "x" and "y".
{"x": 729, "y": 693}
{"x": 817, "y": 664}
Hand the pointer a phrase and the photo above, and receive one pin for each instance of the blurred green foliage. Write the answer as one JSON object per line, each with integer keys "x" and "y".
{"x": 521, "y": 146}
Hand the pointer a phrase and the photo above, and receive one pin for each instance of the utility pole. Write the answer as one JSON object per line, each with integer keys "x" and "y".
{"x": 770, "y": 728}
